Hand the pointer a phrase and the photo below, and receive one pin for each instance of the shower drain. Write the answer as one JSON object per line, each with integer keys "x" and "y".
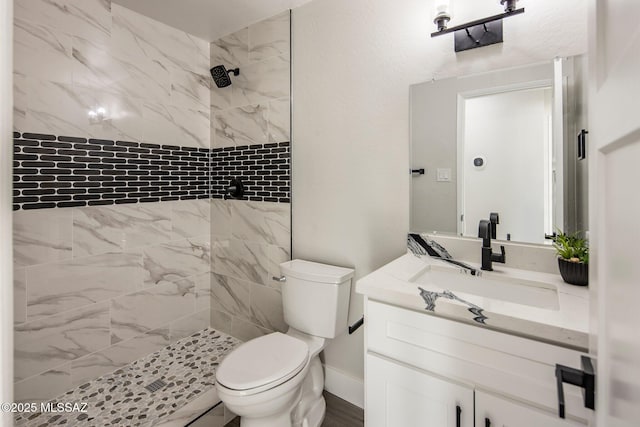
{"x": 156, "y": 385}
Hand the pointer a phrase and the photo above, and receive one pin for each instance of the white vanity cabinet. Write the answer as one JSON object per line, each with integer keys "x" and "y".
{"x": 496, "y": 411}
{"x": 420, "y": 368}
{"x": 400, "y": 395}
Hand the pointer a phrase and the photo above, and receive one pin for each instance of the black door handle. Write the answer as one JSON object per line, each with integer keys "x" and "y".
{"x": 582, "y": 144}
{"x": 458, "y": 412}
{"x": 487, "y": 422}
{"x": 585, "y": 378}
{"x": 417, "y": 171}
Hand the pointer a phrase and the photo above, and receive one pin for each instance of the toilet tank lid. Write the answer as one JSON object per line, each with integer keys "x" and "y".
{"x": 316, "y": 272}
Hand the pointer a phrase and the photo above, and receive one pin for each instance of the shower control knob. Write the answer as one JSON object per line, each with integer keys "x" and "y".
{"x": 235, "y": 190}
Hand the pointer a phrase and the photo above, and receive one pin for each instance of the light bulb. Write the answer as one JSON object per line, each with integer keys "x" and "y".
{"x": 442, "y": 14}
{"x": 441, "y": 6}
{"x": 509, "y": 5}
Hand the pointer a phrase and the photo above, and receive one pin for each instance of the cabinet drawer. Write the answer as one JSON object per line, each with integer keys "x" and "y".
{"x": 495, "y": 361}
{"x": 399, "y": 395}
{"x": 496, "y": 411}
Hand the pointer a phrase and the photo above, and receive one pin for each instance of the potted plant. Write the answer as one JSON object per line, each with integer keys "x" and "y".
{"x": 573, "y": 258}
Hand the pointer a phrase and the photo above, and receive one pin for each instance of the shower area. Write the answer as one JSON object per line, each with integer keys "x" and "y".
{"x": 136, "y": 266}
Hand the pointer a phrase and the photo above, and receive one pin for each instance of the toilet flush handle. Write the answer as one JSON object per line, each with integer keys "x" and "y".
{"x": 279, "y": 279}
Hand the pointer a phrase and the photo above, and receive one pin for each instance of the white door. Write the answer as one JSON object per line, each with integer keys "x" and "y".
{"x": 513, "y": 168}
{"x": 494, "y": 411}
{"x": 614, "y": 150}
{"x": 401, "y": 396}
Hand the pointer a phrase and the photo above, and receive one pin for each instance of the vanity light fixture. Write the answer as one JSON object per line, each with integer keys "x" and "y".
{"x": 478, "y": 33}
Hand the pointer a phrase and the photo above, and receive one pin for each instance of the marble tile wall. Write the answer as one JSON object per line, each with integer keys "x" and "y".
{"x": 100, "y": 286}
{"x": 248, "y": 242}
{"x": 255, "y": 109}
{"x": 249, "y": 239}
{"x": 73, "y": 56}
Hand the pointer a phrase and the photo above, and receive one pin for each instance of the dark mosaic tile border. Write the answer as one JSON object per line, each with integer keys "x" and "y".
{"x": 264, "y": 169}
{"x": 59, "y": 172}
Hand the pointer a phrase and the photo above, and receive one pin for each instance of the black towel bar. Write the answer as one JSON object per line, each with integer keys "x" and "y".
{"x": 356, "y": 325}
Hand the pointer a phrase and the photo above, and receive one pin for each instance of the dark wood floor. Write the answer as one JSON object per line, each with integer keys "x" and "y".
{"x": 340, "y": 413}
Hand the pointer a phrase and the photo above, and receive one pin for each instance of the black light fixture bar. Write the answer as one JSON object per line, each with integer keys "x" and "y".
{"x": 478, "y": 22}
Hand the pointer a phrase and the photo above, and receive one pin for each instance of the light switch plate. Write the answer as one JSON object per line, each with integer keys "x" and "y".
{"x": 443, "y": 175}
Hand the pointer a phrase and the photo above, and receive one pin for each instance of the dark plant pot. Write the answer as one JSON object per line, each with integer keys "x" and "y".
{"x": 574, "y": 273}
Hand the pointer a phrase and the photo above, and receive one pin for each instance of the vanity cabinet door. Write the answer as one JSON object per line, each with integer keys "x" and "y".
{"x": 397, "y": 395}
{"x": 494, "y": 411}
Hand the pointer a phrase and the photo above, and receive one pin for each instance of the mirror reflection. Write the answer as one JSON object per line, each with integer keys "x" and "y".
{"x": 501, "y": 142}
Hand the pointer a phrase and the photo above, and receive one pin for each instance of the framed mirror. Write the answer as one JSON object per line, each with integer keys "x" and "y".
{"x": 510, "y": 141}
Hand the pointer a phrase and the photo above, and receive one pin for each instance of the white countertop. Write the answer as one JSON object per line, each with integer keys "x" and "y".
{"x": 566, "y": 324}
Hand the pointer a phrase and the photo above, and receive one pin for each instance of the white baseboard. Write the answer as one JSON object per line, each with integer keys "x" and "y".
{"x": 344, "y": 386}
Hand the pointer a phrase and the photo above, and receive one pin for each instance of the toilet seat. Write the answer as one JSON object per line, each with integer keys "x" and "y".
{"x": 262, "y": 364}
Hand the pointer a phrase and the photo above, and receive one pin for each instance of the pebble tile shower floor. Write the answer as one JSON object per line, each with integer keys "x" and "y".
{"x": 122, "y": 399}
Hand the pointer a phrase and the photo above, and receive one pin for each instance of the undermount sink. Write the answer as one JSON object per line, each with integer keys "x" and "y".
{"x": 494, "y": 285}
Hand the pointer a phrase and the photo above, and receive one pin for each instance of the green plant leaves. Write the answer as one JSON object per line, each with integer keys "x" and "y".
{"x": 570, "y": 246}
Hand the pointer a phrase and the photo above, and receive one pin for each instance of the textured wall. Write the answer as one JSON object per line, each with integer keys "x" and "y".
{"x": 353, "y": 63}
{"x": 99, "y": 286}
{"x": 251, "y": 237}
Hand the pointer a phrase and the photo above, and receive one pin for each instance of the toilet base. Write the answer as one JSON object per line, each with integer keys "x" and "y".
{"x": 270, "y": 408}
{"x": 308, "y": 412}
{"x": 312, "y": 407}
{"x": 315, "y": 416}
{"x": 278, "y": 420}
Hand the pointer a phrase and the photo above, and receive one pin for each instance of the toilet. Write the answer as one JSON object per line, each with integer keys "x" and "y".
{"x": 277, "y": 380}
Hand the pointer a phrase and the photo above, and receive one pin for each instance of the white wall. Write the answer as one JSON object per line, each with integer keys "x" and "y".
{"x": 6, "y": 249}
{"x": 353, "y": 62}
{"x": 434, "y": 134}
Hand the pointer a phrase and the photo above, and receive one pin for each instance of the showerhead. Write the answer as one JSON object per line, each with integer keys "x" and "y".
{"x": 221, "y": 76}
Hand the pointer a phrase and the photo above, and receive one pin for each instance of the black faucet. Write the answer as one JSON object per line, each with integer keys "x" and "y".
{"x": 495, "y": 220}
{"x": 488, "y": 257}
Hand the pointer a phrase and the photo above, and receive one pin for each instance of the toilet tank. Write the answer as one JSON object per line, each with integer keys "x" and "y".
{"x": 315, "y": 297}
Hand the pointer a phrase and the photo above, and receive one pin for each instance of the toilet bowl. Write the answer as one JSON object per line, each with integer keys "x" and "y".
{"x": 277, "y": 380}
{"x": 263, "y": 378}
